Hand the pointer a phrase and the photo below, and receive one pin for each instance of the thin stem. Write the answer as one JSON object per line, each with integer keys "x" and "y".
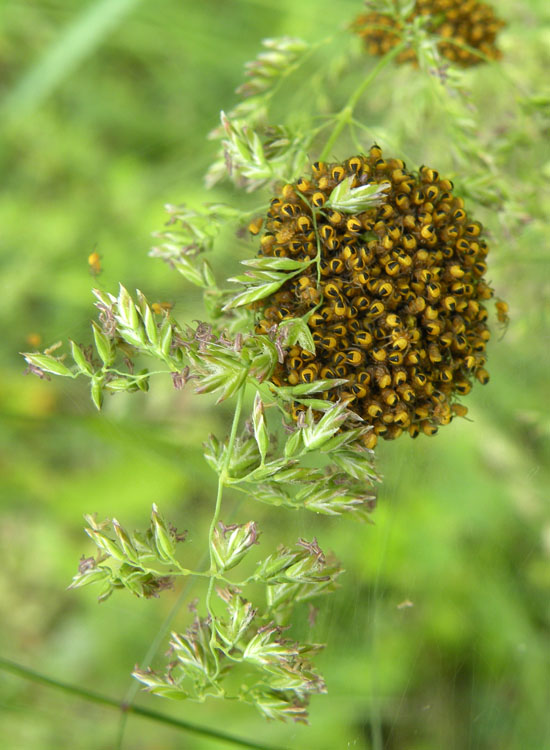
{"x": 151, "y": 651}
{"x": 153, "y": 648}
{"x": 104, "y": 700}
{"x": 390, "y": 141}
{"x": 223, "y": 472}
{"x": 211, "y": 573}
{"x": 377, "y": 738}
{"x": 319, "y": 250}
{"x": 143, "y": 376}
{"x": 344, "y": 117}
{"x": 296, "y": 64}
{"x": 222, "y": 478}
{"x": 317, "y": 259}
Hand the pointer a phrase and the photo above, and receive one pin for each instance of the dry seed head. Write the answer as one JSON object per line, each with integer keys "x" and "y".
{"x": 460, "y": 23}
{"x": 398, "y": 311}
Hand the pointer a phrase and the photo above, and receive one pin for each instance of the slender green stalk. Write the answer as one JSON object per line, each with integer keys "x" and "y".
{"x": 295, "y": 65}
{"x": 143, "y": 376}
{"x": 104, "y": 700}
{"x": 377, "y": 738}
{"x": 221, "y": 482}
{"x": 396, "y": 146}
{"x": 223, "y": 473}
{"x": 318, "y": 242}
{"x": 151, "y": 651}
{"x": 153, "y": 648}
{"x": 317, "y": 259}
{"x": 345, "y": 115}
{"x": 375, "y": 718}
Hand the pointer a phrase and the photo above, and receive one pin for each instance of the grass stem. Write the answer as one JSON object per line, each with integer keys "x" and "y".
{"x": 344, "y": 117}
{"x": 90, "y": 695}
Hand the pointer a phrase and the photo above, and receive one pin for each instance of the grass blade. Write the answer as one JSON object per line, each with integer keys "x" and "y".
{"x": 78, "y": 41}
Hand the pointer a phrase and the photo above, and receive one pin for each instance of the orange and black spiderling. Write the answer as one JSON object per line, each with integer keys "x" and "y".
{"x": 460, "y": 23}
{"x": 94, "y": 263}
{"x": 399, "y": 308}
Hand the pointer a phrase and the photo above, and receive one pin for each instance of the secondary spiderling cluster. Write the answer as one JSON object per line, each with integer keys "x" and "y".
{"x": 462, "y": 24}
{"x": 399, "y": 308}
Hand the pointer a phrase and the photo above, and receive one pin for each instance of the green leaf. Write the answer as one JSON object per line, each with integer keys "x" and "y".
{"x": 269, "y": 469}
{"x": 104, "y": 298}
{"x": 166, "y": 337}
{"x": 331, "y": 501}
{"x": 293, "y": 444}
{"x": 119, "y": 384}
{"x": 208, "y": 274}
{"x": 125, "y": 542}
{"x": 250, "y": 277}
{"x": 230, "y": 544}
{"x": 227, "y": 381}
{"x": 299, "y": 474}
{"x": 97, "y": 392}
{"x": 355, "y": 200}
{"x": 48, "y": 364}
{"x": 190, "y": 272}
{"x": 95, "y": 574}
{"x": 255, "y": 293}
{"x": 318, "y": 404}
{"x": 345, "y": 438}
{"x": 103, "y": 345}
{"x": 304, "y": 389}
{"x": 164, "y": 541}
{"x": 276, "y": 704}
{"x": 298, "y": 332}
{"x": 263, "y": 649}
{"x": 276, "y": 264}
{"x": 148, "y": 320}
{"x": 159, "y": 685}
{"x": 241, "y": 614}
{"x": 106, "y": 544}
{"x": 214, "y": 452}
{"x": 165, "y": 691}
{"x": 127, "y": 309}
{"x": 260, "y": 428}
{"x": 357, "y": 464}
{"x": 318, "y": 433}
{"x": 245, "y": 458}
{"x": 78, "y": 355}
{"x": 272, "y": 493}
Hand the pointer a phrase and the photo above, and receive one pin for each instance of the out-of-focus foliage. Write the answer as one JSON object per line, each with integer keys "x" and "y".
{"x": 440, "y": 632}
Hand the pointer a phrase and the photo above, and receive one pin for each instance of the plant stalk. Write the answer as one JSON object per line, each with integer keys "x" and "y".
{"x": 104, "y": 700}
{"x": 345, "y": 115}
{"x": 222, "y": 477}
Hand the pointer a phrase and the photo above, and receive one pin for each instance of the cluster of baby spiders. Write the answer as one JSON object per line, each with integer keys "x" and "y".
{"x": 394, "y": 301}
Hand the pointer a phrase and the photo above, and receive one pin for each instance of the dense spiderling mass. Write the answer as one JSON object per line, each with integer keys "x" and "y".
{"x": 458, "y": 22}
{"x": 398, "y": 310}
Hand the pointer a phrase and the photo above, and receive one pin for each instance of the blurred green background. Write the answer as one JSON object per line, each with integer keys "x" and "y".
{"x": 439, "y": 635}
